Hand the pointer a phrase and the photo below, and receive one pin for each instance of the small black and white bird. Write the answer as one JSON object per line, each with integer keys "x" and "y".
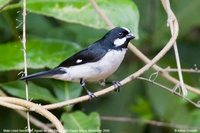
{"x": 94, "y": 63}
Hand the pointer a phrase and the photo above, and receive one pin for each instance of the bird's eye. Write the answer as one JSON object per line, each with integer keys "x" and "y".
{"x": 120, "y": 34}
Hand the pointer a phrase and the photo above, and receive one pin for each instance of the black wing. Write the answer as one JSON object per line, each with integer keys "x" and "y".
{"x": 90, "y": 54}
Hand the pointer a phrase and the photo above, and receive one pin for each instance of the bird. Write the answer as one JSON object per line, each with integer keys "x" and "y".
{"x": 95, "y": 63}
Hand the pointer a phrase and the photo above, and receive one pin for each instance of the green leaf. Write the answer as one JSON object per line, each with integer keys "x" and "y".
{"x": 66, "y": 91}
{"x": 142, "y": 108}
{"x": 17, "y": 89}
{"x": 3, "y": 2}
{"x": 79, "y": 122}
{"x": 121, "y": 13}
{"x": 40, "y": 53}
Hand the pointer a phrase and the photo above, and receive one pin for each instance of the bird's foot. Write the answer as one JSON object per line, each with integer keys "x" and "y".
{"x": 83, "y": 85}
{"x": 117, "y": 85}
{"x": 91, "y": 95}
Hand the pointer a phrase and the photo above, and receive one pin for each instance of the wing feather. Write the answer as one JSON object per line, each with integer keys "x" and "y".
{"x": 90, "y": 54}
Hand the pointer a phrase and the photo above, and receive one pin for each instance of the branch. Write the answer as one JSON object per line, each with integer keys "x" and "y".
{"x": 12, "y": 106}
{"x": 36, "y": 108}
{"x": 17, "y": 108}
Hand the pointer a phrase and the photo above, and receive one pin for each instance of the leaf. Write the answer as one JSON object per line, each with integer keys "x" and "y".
{"x": 40, "y": 53}
{"x": 121, "y": 13}
{"x": 3, "y": 2}
{"x": 79, "y": 122}
{"x": 66, "y": 91}
{"x": 17, "y": 89}
{"x": 142, "y": 108}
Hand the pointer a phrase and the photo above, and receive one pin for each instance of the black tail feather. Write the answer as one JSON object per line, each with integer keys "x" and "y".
{"x": 44, "y": 74}
{"x": 36, "y": 75}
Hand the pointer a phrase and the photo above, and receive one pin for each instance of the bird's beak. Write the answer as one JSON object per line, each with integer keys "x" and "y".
{"x": 130, "y": 36}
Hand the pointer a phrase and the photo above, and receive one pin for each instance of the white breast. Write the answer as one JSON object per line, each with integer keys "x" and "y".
{"x": 94, "y": 71}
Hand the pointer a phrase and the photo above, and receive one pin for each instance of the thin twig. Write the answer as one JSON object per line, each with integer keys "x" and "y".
{"x": 180, "y": 75}
{"x": 166, "y": 4}
{"x": 170, "y": 90}
{"x": 24, "y": 45}
{"x": 150, "y": 122}
{"x": 168, "y": 70}
{"x": 25, "y": 59}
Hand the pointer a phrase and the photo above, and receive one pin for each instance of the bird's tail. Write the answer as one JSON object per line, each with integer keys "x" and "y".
{"x": 44, "y": 74}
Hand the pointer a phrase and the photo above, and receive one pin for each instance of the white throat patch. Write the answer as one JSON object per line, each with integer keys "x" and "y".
{"x": 119, "y": 41}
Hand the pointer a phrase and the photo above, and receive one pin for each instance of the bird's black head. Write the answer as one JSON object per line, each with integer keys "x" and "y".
{"x": 119, "y": 37}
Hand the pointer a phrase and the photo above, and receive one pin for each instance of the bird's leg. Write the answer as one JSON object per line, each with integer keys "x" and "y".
{"x": 83, "y": 85}
{"x": 116, "y": 84}
{"x": 102, "y": 82}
